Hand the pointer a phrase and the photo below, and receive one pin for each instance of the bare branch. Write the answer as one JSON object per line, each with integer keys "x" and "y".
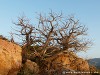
{"x": 54, "y": 34}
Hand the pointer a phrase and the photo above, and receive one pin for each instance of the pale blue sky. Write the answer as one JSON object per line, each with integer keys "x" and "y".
{"x": 87, "y": 11}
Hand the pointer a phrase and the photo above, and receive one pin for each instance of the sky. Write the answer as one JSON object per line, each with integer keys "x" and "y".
{"x": 87, "y": 11}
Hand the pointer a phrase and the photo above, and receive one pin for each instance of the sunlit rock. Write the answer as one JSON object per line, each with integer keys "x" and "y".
{"x": 10, "y": 58}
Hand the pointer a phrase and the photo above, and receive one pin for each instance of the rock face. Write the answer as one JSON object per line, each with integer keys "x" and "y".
{"x": 56, "y": 65}
{"x": 10, "y": 58}
{"x": 29, "y": 68}
{"x": 69, "y": 62}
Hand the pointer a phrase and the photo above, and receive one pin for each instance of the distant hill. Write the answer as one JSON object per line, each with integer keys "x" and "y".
{"x": 95, "y": 62}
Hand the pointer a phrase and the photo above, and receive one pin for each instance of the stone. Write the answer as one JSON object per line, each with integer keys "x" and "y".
{"x": 10, "y": 58}
{"x": 29, "y": 68}
{"x": 68, "y": 61}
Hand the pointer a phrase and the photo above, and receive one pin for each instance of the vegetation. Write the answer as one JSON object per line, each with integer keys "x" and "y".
{"x": 2, "y": 37}
{"x": 52, "y": 35}
{"x": 53, "y": 32}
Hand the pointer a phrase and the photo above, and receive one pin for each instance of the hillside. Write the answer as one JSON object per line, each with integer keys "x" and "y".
{"x": 95, "y": 62}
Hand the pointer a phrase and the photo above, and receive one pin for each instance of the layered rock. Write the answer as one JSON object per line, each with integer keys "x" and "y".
{"x": 68, "y": 62}
{"x": 57, "y": 64}
{"x": 10, "y": 58}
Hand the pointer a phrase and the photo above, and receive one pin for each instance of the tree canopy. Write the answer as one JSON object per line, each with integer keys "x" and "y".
{"x": 53, "y": 34}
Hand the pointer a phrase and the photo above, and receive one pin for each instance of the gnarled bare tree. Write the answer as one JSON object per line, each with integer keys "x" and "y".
{"x": 25, "y": 30}
{"x": 60, "y": 34}
{"x": 54, "y": 34}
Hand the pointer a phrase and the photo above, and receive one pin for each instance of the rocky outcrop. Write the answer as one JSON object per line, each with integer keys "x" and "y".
{"x": 56, "y": 65}
{"x": 10, "y": 58}
{"x": 69, "y": 62}
{"x": 11, "y": 62}
{"x": 29, "y": 68}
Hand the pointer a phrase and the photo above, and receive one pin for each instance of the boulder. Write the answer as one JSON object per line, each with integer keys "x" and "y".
{"x": 68, "y": 62}
{"x": 29, "y": 68}
{"x": 10, "y": 57}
